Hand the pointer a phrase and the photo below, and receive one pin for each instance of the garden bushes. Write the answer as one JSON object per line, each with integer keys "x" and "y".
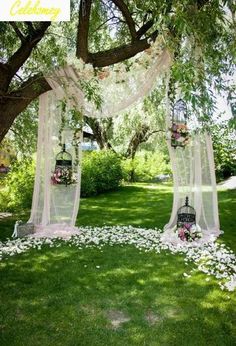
{"x": 17, "y": 187}
{"x": 101, "y": 172}
{"x": 146, "y": 166}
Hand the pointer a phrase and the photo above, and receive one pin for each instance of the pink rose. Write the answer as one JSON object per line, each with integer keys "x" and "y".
{"x": 181, "y": 234}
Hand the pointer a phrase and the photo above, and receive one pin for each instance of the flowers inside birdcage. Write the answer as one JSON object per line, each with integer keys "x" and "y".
{"x": 186, "y": 227}
{"x": 63, "y": 172}
{"x": 179, "y": 135}
{"x": 188, "y": 232}
{"x": 63, "y": 176}
{"x": 179, "y": 131}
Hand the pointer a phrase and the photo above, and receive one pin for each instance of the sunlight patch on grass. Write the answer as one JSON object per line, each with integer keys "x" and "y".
{"x": 66, "y": 301}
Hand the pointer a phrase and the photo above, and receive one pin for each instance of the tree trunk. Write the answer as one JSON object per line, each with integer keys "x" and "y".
{"x": 12, "y": 104}
{"x": 99, "y": 132}
{"x": 5, "y": 124}
{"x": 132, "y": 175}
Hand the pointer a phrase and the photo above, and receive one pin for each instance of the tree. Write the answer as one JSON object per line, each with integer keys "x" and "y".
{"x": 126, "y": 132}
{"x": 111, "y": 31}
{"x": 224, "y": 146}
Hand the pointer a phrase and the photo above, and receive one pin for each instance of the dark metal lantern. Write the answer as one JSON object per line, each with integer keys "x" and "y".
{"x": 64, "y": 159}
{"x": 63, "y": 168}
{"x": 186, "y": 215}
{"x": 179, "y": 114}
{"x": 179, "y": 132}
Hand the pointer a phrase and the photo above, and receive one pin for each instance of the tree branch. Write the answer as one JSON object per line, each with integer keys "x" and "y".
{"x": 128, "y": 18}
{"x": 15, "y": 102}
{"x": 83, "y": 30}
{"x": 23, "y": 53}
{"x": 137, "y": 138}
{"x": 3, "y": 78}
{"x": 17, "y": 31}
{"x": 30, "y": 27}
{"x": 31, "y": 89}
{"x": 121, "y": 53}
{"x": 101, "y": 25}
{"x": 144, "y": 28}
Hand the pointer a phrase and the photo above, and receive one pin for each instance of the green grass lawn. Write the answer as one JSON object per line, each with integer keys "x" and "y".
{"x": 116, "y": 295}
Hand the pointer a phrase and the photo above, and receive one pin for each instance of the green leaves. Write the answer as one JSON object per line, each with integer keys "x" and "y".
{"x": 101, "y": 172}
{"x": 91, "y": 91}
{"x": 224, "y": 150}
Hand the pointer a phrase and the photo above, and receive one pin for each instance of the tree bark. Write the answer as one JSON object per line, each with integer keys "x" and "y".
{"x": 12, "y": 104}
{"x": 100, "y": 134}
{"x": 139, "y": 137}
{"x": 118, "y": 54}
{"x": 83, "y": 30}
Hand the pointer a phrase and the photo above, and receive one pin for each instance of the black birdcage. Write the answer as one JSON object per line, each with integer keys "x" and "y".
{"x": 186, "y": 215}
{"x": 179, "y": 131}
{"x": 63, "y": 169}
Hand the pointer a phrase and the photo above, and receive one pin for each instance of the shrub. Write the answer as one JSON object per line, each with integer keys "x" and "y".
{"x": 223, "y": 138}
{"x": 101, "y": 172}
{"x": 145, "y": 166}
{"x": 17, "y": 190}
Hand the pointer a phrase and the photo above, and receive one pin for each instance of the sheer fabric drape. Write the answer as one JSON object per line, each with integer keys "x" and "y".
{"x": 194, "y": 176}
{"x": 57, "y": 204}
{"x": 118, "y": 91}
{"x": 193, "y": 167}
{"x": 53, "y": 204}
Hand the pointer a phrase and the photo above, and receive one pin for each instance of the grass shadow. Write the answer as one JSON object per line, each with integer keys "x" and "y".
{"x": 61, "y": 297}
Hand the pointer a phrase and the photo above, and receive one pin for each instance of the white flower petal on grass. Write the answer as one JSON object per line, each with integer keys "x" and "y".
{"x": 211, "y": 258}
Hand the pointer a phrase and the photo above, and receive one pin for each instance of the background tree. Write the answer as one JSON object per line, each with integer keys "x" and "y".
{"x": 224, "y": 146}
{"x": 104, "y": 32}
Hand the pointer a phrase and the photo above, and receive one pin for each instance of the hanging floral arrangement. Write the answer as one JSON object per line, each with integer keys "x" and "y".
{"x": 179, "y": 135}
{"x": 63, "y": 176}
{"x": 179, "y": 131}
{"x": 63, "y": 173}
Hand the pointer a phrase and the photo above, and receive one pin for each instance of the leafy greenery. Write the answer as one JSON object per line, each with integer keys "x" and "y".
{"x": 17, "y": 190}
{"x": 101, "y": 172}
{"x": 23, "y": 134}
{"x": 74, "y": 301}
{"x": 146, "y": 166}
{"x": 201, "y": 35}
{"x": 224, "y": 146}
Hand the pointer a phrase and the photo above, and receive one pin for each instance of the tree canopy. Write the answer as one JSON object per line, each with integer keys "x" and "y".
{"x": 199, "y": 33}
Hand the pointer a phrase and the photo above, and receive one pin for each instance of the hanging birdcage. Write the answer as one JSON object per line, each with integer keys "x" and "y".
{"x": 63, "y": 173}
{"x": 179, "y": 130}
{"x": 186, "y": 215}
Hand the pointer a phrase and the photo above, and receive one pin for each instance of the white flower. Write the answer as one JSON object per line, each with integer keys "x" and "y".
{"x": 210, "y": 258}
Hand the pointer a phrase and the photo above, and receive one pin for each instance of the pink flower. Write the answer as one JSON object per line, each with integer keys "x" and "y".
{"x": 187, "y": 226}
{"x": 177, "y": 135}
{"x": 181, "y": 234}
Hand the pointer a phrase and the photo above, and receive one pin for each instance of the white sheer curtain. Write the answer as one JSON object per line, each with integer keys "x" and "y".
{"x": 57, "y": 205}
{"x": 118, "y": 91}
{"x": 54, "y": 204}
{"x": 193, "y": 167}
{"x": 194, "y": 176}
